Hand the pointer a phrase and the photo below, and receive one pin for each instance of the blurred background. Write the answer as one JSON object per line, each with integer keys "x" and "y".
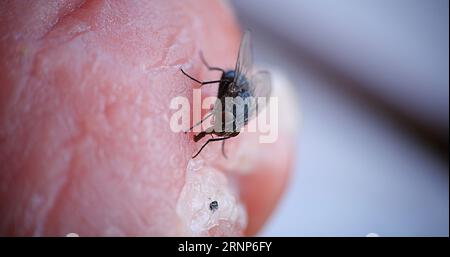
{"x": 373, "y": 81}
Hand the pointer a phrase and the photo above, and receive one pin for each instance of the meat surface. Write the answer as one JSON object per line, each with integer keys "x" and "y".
{"x": 85, "y": 142}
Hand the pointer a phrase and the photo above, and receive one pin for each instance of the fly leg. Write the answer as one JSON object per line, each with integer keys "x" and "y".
{"x": 210, "y": 140}
{"x": 204, "y": 133}
{"x": 223, "y": 150}
{"x": 200, "y": 136}
{"x": 198, "y": 81}
{"x": 200, "y": 122}
{"x": 223, "y": 143}
{"x": 207, "y": 65}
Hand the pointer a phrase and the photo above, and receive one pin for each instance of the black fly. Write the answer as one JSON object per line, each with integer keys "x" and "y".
{"x": 238, "y": 83}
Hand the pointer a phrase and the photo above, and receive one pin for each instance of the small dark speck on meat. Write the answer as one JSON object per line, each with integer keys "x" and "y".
{"x": 214, "y": 205}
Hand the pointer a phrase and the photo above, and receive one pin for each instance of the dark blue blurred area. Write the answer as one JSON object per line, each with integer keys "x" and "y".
{"x": 373, "y": 81}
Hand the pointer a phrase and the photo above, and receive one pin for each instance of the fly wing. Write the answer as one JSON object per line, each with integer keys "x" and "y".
{"x": 261, "y": 84}
{"x": 261, "y": 88}
{"x": 244, "y": 61}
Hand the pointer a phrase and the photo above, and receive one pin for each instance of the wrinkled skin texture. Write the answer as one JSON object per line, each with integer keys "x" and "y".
{"x": 85, "y": 143}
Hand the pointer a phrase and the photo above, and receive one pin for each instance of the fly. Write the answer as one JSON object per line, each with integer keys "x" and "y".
{"x": 239, "y": 83}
